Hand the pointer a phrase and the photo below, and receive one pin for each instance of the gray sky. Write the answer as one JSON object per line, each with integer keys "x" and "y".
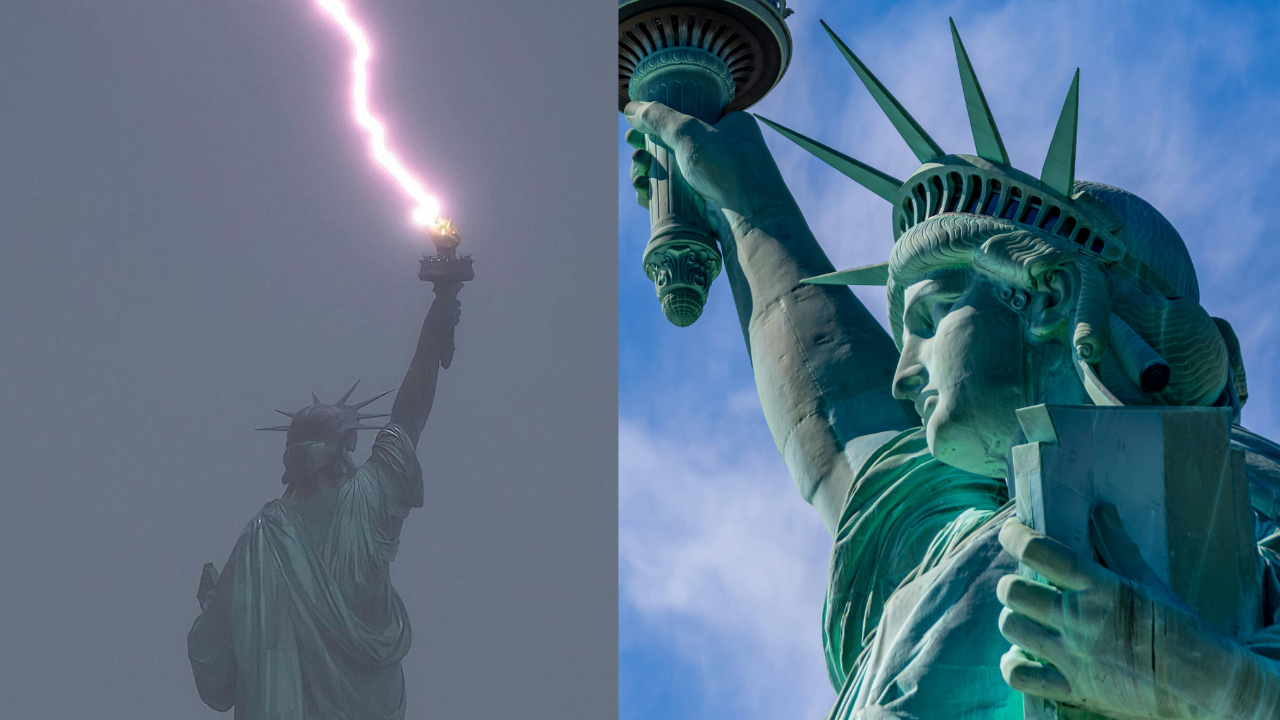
{"x": 191, "y": 236}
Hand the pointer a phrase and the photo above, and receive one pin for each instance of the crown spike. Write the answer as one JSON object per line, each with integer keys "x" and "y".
{"x": 917, "y": 139}
{"x": 877, "y": 274}
{"x": 1059, "y": 170}
{"x": 315, "y": 400}
{"x": 379, "y": 396}
{"x": 278, "y": 428}
{"x": 347, "y": 395}
{"x": 368, "y": 416}
{"x": 868, "y": 177}
{"x": 287, "y": 414}
{"x": 986, "y": 136}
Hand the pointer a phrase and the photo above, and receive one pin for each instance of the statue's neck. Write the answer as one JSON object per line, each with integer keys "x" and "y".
{"x": 314, "y": 505}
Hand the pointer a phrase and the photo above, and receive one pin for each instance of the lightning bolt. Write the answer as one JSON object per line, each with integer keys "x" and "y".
{"x": 426, "y": 211}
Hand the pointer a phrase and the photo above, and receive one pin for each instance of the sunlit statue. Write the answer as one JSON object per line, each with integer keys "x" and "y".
{"x": 1031, "y": 316}
{"x": 303, "y": 623}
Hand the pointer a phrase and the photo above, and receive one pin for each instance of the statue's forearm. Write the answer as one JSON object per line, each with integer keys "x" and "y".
{"x": 1229, "y": 681}
{"x": 417, "y": 393}
{"x": 823, "y": 365}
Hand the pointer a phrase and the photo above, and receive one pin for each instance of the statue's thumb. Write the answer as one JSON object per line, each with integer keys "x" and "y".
{"x": 652, "y": 118}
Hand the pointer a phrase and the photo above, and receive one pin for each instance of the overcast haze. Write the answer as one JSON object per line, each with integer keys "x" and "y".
{"x": 191, "y": 236}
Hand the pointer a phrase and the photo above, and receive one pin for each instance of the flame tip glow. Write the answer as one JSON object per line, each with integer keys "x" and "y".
{"x": 426, "y": 212}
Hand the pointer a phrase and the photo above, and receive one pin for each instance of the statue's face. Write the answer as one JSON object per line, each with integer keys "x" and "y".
{"x": 963, "y": 364}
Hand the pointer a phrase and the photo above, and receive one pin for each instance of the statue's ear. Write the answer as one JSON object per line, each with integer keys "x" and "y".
{"x": 1052, "y": 302}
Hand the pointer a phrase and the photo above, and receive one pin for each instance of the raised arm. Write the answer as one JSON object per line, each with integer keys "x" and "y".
{"x": 823, "y": 366}
{"x": 435, "y": 348}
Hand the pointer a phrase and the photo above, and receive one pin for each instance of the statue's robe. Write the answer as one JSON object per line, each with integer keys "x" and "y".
{"x": 299, "y": 632}
{"x": 910, "y": 623}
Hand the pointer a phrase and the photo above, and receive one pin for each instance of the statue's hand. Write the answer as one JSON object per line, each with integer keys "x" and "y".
{"x": 1120, "y": 647}
{"x": 728, "y": 164}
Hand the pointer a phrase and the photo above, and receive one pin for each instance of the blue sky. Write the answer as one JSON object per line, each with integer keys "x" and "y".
{"x": 722, "y": 566}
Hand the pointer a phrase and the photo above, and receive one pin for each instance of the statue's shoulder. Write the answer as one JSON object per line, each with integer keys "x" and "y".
{"x": 273, "y": 513}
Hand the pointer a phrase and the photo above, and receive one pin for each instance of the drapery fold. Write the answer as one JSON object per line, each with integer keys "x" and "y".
{"x": 295, "y": 631}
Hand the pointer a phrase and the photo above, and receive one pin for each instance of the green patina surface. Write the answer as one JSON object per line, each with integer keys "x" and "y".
{"x": 302, "y": 622}
{"x": 1006, "y": 291}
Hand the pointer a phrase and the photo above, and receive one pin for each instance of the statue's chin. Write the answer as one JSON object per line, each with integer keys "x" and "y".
{"x": 966, "y": 448}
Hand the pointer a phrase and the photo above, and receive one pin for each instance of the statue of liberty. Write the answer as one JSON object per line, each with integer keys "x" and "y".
{"x": 1005, "y": 290}
{"x": 303, "y": 623}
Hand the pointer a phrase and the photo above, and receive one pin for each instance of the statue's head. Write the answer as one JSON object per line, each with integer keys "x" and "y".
{"x": 319, "y": 440}
{"x": 1006, "y": 290}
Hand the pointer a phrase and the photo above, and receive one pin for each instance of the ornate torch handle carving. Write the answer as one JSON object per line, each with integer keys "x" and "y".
{"x": 682, "y": 257}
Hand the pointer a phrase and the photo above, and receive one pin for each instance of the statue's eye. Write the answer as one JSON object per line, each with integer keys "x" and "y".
{"x": 941, "y": 308}
{"x": 927, "y": 312}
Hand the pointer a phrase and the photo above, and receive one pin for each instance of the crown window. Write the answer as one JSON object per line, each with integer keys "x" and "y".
{"x": 1067, "y": 226}
{"x": 975, "y": 194}
{"x": 955, "y": 188}
{"x": 1050, "y": 219}
{"x": 1011, "y": 210}
{"x": 1032, "y": 210}
{"x": 993, "y": 197}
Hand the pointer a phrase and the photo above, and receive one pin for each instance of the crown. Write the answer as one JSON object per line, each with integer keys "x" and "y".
{"x": 985, "y": 184}
{"x": 321, "y": 418}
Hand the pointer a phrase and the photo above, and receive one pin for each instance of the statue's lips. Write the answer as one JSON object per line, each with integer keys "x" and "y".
{"x": 925, "y": 403}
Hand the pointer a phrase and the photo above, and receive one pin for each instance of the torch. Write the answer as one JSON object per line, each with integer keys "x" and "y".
{"x": 703, "y": 58}
{"x": 446, "y": 270}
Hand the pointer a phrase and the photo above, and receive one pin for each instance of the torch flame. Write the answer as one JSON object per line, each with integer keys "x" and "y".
{"x": 426, "y": 212}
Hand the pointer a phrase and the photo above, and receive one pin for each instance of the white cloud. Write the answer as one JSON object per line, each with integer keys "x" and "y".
{"x": 721, "y": 555}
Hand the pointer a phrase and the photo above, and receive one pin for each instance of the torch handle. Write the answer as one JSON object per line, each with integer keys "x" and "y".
{"x": 674, "y": 208}
{"x": 682, "y": 257}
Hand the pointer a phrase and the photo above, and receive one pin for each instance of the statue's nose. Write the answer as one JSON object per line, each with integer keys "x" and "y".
{"x": 908, "y": 382}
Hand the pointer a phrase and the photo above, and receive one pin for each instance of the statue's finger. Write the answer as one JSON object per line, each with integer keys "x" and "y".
{"x": 1034, "y": 678}
{"x": 640, "y": 160}
{"x": 1043, "y": 642}
{"x": 642, "y": 196}
{"x": 634, "y": 138}
{"x": 639, "y": 181}
{"x": 1036, "y": 600}
{"x": 670, "y": 126}
{"x": 1058, "y": 563}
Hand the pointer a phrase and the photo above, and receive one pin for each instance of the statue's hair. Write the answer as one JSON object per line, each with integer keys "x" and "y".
{"x": 1119, "y": 328}
{"x": 304, "y": 460}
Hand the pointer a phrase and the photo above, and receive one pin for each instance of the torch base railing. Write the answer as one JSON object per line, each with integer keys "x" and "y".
{"x": 447, "y": 269}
